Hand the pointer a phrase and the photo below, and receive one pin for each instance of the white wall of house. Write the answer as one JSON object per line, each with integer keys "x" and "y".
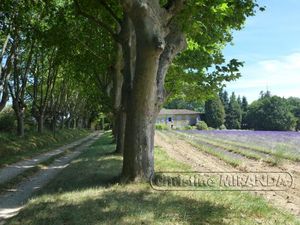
{"x": 178, "y": 120}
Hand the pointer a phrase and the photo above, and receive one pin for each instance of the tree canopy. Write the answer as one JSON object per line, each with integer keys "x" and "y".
{"x": 67, "y": 61}
{"x": 214, "y": 113}
{"x": 271, "y": 113}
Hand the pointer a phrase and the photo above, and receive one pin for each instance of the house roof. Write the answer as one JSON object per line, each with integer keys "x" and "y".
{"x": 177, "y": 112}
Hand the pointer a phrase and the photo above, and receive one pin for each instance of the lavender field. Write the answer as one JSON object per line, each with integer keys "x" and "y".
{"x": 286, "y": 144}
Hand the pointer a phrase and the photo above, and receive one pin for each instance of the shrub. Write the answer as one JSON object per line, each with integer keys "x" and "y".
{"x": 162, "y": 127}
{"x": 271, "y": 113}
{"x": 223, "y": 127}
{"x": 298, "y": 125}
{"x": 201, "y": 125}
{"x": 188, "y": 127}
{"x": 7, "y": 120}
{"x": 214, "y": 112}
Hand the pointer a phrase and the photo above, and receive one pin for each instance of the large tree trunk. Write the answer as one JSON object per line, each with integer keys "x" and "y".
{"x": 118, "y": 132}
{"x": 4, "y": 98}
{"x": 62, "y": 122}
{"x": 138, "y": 161}
{"x": 5, "y": 73}
{"x": 69, "y": 123}
{"x": 20, "y": 123}
{"x": 128, "y": 41}
{"x": 157, "y": 43}
{"x": 120, "y": 122}
{"x": 138, "y": 147}
{"x": 74, "y": 123}
{"x": 41, "y": 123}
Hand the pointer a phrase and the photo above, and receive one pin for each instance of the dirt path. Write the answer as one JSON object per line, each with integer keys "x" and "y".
{"x": 200, "y": 161}
{"x": 12, "y": 202}
{"x": 9, "y": 172}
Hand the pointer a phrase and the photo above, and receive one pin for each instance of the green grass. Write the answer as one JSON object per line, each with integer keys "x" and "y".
{"x": 87, "y": 192}
{"x": 13, "y": 148}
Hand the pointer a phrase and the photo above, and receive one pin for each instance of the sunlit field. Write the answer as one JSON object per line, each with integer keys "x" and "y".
{"x": 266, "y": 143}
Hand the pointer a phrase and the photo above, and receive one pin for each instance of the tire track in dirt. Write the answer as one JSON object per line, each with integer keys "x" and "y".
{"x": 181, "y": 150}
{"x": 9, "y": 172}
{"x": 12, "y": 202}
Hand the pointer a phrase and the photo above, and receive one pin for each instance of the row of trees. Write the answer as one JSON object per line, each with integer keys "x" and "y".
{"x": 126, "y": 57}
{"x": 48, "y": 72}
{"x": 267, "y": 113}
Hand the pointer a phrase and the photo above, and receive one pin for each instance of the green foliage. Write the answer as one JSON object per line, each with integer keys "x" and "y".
{"x": 162, "y": 127}
{"x": 244, "y": 104}
{"x": 223, "y": 127}
{"x": 188, "y": 127}
{"x": 68, "y": 72}
{"x": 294, "y": 104}
{"x": 234, "y": 114}
{"x": 214, "y": 112}
{"x": 201, "y": 70}
{"x": 92, "y": 195}
{"x": 201, "y": 125}
{"x": 298, "y": 125}
{"x": 279, "y": 155}
{"x": 14, "y": 148}
{"x": 225, "y": 99}
{"x": 271, "y": 113}
{"x": 7, "y": 120}
{"x": 183, "y": 104}
{"x": 244, "y": 107}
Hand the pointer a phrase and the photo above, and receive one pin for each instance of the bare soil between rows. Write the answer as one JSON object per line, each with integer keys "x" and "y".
{"x": 179, "y": 149}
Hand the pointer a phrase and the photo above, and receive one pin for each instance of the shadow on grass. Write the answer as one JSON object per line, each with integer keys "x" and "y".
{"x": 125, "y": 207}
{"x": 86, "y": 193}
{"x": 97, "y": 167}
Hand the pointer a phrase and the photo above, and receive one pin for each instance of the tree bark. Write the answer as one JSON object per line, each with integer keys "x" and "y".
{"x": 20, "y": 124}
{"x": 5, "y": 71}
{"x": 120, "y": 121}
{"x": 4, "y": 98}
{"x": 158, "y": 41}
{"x": 138, "y": 161}
{"x": 128, "y": 42}
{"x": 117, "y": 87}
{"x": 41, "y": 123}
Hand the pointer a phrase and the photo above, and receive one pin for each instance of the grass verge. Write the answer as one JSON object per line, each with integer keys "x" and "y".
{"x": 13, "y": 148}
{"x": 87, "y": 193}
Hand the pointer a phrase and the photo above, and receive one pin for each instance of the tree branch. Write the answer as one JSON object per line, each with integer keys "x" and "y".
{"x": 175, "y": 43}
{"x": 111, "y": 12}
{"x": 96, "y": 21}
{"x": 88, "y": 49}
{"x": 3, "y": 50}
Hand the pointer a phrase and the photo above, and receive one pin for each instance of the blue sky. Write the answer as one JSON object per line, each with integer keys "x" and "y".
{"x": 270, "y": 47}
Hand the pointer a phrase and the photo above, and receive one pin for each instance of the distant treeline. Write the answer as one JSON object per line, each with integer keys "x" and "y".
{"x": 269, "y": 112}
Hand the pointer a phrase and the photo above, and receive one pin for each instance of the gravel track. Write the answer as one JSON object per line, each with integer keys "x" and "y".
{"x": 9, "y": 172}
{"x": 12, "y": 202}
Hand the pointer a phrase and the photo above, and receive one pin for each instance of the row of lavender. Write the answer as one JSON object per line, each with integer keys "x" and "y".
{"x": 272, "y": 140}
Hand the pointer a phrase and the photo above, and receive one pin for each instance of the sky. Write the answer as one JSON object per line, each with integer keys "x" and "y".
{"x": 269, "y": 45}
